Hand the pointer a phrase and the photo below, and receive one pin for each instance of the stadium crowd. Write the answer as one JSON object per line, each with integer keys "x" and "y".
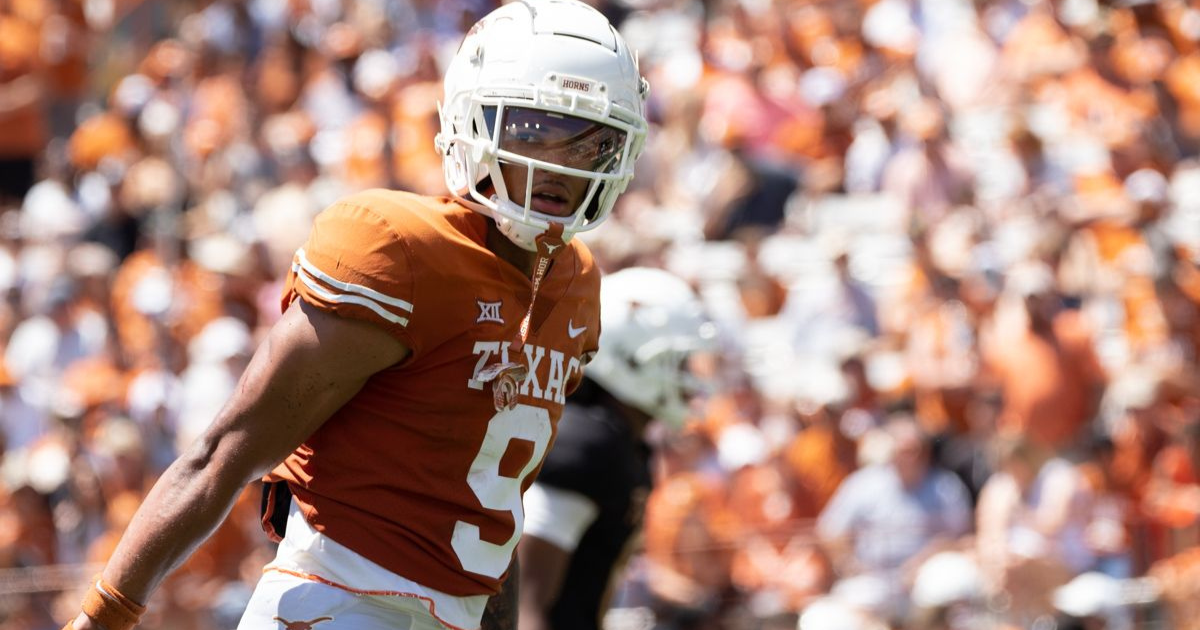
{"x": 953, "y": 248}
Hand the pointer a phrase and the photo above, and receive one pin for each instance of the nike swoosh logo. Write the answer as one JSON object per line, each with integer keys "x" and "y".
{"x": 574, "y": 332}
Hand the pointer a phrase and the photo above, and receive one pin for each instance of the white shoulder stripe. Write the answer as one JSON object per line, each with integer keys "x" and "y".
{"x": 347, "y": 298}
{"x": 313, "y": 271}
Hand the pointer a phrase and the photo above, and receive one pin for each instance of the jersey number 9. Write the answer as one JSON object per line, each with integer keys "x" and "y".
{"x": 497, "y": 492}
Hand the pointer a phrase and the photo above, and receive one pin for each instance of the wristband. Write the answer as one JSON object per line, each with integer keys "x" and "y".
{"x": 109, "y": 608}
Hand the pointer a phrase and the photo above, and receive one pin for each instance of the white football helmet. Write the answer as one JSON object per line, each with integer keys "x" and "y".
{"x": 546, "y": 74}
{"x": 650, "y": 323}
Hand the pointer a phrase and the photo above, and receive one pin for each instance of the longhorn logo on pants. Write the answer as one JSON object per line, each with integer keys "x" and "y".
{"x": 301, "y": 625}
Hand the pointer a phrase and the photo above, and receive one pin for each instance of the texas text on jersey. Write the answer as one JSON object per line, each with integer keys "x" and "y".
{"x": 449, "y": 514}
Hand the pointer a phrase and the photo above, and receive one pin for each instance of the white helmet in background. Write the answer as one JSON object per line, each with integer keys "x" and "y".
{"x": 547, "y": 71}
{"x": 650, "y": 322}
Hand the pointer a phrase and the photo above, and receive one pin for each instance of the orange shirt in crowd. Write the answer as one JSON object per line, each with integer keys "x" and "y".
{"x": 22, "y": 128}
{"x": 27, "y": 535}
{"x": 100, "y": 136}
{"x": 776, "y": 548}
{"x": 65, "y": 49}
{"x": 1173, "y": 495}
{"x": 1178, "y": 577}
{"x": 1048, "y": 386}
{"x": 414, "y": 124}
{"x": 1121, "y": 251}
{"x": 943, "y": 364}
{"x": 217, "y": 115}
{"x": 686, "y": 537}
{"x": 1038, "y": 45}
{"x": 195, "y": 301}
{"x": 1183, "y": 81}
{"x": 819, "y": 458}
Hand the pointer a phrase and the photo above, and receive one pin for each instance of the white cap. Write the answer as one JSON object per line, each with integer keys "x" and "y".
{"x": 1146, "y": 186}
{"x": 739, "y": 445}
{"x": 222, "y": 253}
{"x": 1030, "y": 278}
{"x": 888, "y": 24}
{"x": 47, "y": 465}
{"x": 375, "y": 73}
{"x": 119, "y": 436}
{"x": 1088, "y": 595}
{"x": 220, "y": 340}
{"x": 946, "y": 578}
{"x": 827, "y": 613}
{"x": 48, "y": 212}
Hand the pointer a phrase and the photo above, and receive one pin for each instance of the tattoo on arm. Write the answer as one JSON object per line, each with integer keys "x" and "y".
{"x": 501, "y": 611}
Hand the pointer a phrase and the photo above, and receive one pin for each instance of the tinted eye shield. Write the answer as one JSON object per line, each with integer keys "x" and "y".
{"x": 557, "y": 142}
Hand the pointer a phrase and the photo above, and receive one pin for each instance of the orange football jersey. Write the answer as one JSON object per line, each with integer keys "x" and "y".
{"x": 419, "y": 472}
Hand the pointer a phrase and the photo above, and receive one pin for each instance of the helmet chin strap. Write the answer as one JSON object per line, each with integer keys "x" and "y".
{"x": 506, "y": 378}
{"x": 523, "y": 235}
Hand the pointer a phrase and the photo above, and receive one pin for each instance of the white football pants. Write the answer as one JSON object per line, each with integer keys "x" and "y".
{"x": 286, "y": 602}
{"x": 314, "y": 583}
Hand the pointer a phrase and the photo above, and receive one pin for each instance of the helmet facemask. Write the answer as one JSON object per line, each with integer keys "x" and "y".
{"x": 548, "y": 90}
{"x": 560, "y": 154}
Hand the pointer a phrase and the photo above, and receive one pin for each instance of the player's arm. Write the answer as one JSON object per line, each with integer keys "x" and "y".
{"x": 311, "y": 363}
{"x": 555, "y": 521}
{"x": 502, "y": 609}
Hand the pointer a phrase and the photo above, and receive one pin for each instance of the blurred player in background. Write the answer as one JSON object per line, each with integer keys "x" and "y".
{"x": 416, "y": 379}
{"x": 590, "y": 494}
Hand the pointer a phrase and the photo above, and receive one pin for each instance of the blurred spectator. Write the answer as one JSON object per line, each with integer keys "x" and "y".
{"x": 828, "y": 315}
{"x": 687, "y": 547}
{"x": 1049, "y": 377}
{"x": 23, "y": 124}
{"x": 1113, "y": 514}
{"x": 1031, "y": 526}
{"x": 942, "y": 354}
{"x": 1174, "y": 491}
{"x": 885, "y": 520}
{"x": 29, "y": 530}
{"x": 777, "y": 563}
{"x": 64, "y": 331}
{"x": 24, "y": 421}
{"x": 751, "y": 198}
{"x": 820, "y": 455}
{"x": 928, "y": 173}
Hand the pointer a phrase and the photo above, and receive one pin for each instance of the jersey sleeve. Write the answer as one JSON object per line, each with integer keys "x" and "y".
{"x": 355, "y": 264}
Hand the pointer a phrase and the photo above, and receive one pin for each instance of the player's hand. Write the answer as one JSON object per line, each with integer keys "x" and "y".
{"x": 83, "y": 622}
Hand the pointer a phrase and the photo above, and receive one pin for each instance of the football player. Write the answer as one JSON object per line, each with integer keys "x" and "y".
{"x": 589, "y": 496}
{"x": 407, "y": 396}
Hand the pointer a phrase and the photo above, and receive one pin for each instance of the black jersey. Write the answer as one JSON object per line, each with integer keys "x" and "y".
{"x": 596, "y": 455}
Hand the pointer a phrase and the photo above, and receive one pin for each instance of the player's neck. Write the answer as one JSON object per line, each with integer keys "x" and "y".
{"x": 506, "y": 250}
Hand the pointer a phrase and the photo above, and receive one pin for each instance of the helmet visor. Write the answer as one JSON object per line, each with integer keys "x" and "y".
{"x": 561, "y": 139}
